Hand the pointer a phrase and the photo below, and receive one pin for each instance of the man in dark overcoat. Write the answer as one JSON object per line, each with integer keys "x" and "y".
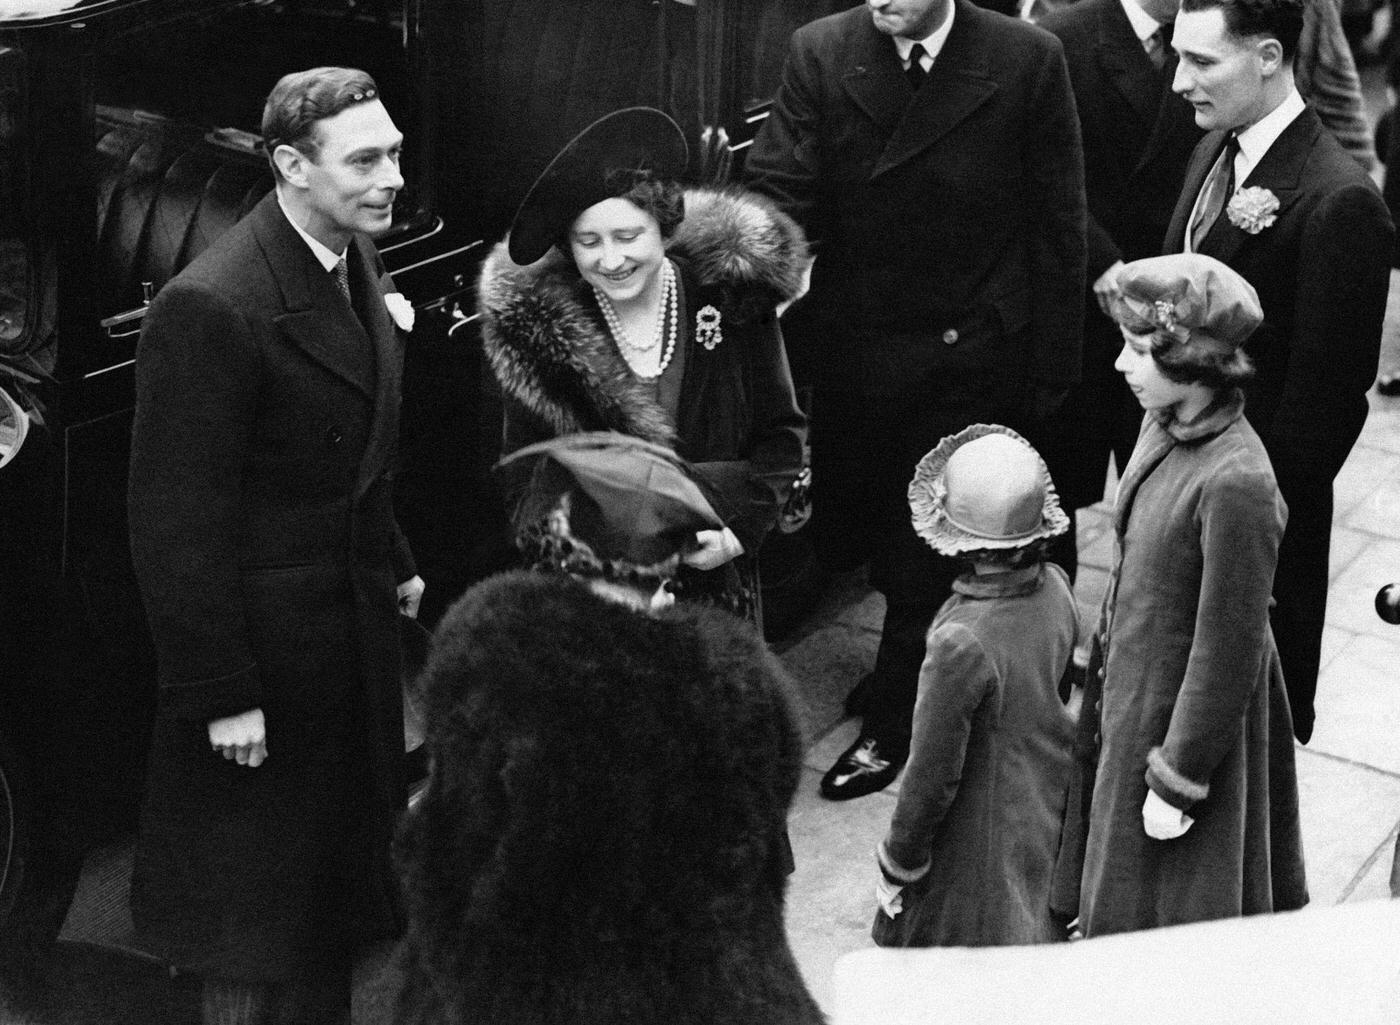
{"x": 272, "y": 570}
{"x": 931, "y": 151}
{"x": 1138, "y": 136}
{"x": 1270, "y": 192}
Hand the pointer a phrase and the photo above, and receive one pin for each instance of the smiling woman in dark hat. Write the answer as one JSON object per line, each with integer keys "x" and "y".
{"x": 602, "y": 838}
{"x": 622, "y": 302}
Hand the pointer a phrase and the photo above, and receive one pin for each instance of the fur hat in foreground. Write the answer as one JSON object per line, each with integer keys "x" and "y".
{"x": 601, "y": 837}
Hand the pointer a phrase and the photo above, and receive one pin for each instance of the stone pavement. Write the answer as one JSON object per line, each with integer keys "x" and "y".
{"x": 1349, "y": 773}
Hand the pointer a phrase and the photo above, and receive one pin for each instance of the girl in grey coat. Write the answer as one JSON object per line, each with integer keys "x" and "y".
{"x": 1194, "y": 806}
{"x": 969, "y": 856}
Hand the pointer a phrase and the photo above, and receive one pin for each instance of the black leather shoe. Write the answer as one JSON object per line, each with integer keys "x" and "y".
{"x": 1388, "y": 384}
{"x": 863, "y": 768}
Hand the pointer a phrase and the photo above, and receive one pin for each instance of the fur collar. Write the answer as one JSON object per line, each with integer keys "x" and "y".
{"x": 551, "y": 352}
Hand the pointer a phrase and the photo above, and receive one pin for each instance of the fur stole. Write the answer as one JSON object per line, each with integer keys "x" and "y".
{"x": 550, "y": 350}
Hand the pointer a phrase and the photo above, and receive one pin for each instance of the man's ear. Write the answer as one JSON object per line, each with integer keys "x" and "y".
{"x": 292, "y": 162}
{"x": 1270, "y": 52}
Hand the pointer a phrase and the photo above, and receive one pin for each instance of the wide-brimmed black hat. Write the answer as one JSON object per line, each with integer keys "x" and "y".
{"x": 630, "y": 500}
{"x": 637, "y": 138}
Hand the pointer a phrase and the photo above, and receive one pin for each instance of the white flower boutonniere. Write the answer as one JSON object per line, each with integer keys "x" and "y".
{"x": 707, "y": 331}
{"x": 400, "y": 309}
{"x": 1252, "y": 209}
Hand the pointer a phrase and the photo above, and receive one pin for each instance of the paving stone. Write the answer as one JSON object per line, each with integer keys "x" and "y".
{"x": 1351, "y": 597}
{"x": 831, "y": 895}
{"x": 1364, "y": 472}
{"x": 1346, "y": 546}
{"x": 1348, "y": 812}
{"x": 1358, "y": 703}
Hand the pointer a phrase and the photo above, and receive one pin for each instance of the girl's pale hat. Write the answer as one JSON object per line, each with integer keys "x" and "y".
{"x": 984, "y": 488}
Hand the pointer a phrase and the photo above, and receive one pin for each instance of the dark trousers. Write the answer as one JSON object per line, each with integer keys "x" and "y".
{"x": 1300, "y": 591}
{"x": 864, "y": 451}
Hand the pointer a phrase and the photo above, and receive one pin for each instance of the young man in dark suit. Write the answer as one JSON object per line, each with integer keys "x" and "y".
{"x": 1270, "y": 192}
{"x": 1138, "y": 136}
{"x": 931, "y": 151}
{"x": 272, "y": 572}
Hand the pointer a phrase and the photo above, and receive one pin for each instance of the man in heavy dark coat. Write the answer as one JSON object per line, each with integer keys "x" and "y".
{"x": 931, "y": 151}
{"x": 1138, "y": 136}
{"x": 1301, "y": 221}
{"x": 271, "y": 568}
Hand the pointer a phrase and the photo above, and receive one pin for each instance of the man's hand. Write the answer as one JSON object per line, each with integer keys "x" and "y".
{"x": 713, "y": 548}
{"x": 1106, "y": 288}
{"x": 241, "y": 738}
{"x": 410, "y": 595}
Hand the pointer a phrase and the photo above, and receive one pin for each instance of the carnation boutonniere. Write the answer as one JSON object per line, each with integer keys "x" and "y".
{"x": 1252, "y": 209}
{"x": 707, "y": 331}
{"x": 400, "y": 309}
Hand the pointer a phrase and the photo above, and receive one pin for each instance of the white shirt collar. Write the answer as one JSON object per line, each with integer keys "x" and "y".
{"x": 1258, "y": 137}
{"x": 327, "y": 258}
{"x": 1143, "y": 23}
{"x": 933, "y": 44}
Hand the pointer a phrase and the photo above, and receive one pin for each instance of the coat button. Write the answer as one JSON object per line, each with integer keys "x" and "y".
{"x": 334, "y": 435}
{"x": 1100, "y": 675}
{"x": 950, "y": 337}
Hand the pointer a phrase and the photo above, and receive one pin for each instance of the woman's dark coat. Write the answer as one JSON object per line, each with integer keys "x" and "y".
{"x": 601, "y": 837}
{"x": 1191, "y": 701}
{"x": 264, "y": 540}
{"x": 738, "y": 420}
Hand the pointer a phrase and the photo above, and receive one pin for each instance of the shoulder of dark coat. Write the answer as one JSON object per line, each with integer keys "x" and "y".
{"x": 512, "y": 631}
{"x": 232, "y": 265}
{"x": 1076, "y": 22}
{"x": 741, "y": 244}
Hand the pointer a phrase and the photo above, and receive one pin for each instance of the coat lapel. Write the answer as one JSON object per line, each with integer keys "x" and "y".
{"x": 1126, "y": 64}
{"x": 874, "y": 78}
{"x": 1152, "y": 447}
{"x": 1202, "y": 160}
{"x": 1278, "y": 172}
{"x": 317, "y": 320}
{"x": 1174, "y": 118}
{"x": 957, "y": 85}
{"x": 370, "y": 287}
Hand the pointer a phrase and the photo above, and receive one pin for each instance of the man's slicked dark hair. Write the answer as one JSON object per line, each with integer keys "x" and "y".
{"x": 1281, "y": 19}
{"x": 302, "y": 98}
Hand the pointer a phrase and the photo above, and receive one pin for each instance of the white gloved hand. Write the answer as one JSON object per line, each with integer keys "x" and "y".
{"x": 1161, "y": 821}
{"x": 890, "y": 896}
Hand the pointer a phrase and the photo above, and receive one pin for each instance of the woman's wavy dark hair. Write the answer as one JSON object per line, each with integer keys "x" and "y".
{"x": 662, "y": 199}
{"x": 1188, "y": 362}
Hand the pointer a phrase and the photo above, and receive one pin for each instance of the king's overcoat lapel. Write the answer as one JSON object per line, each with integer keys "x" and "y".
{"x": 314, "y": 318}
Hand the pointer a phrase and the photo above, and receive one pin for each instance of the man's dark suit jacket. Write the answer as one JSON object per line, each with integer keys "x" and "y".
{"x": 949, "y": 225}
{"x": 1322, "y": 271}
{"x": 1138, "y": 136}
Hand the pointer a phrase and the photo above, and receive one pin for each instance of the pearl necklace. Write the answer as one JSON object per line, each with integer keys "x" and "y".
{"x": 666, "y": 310}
